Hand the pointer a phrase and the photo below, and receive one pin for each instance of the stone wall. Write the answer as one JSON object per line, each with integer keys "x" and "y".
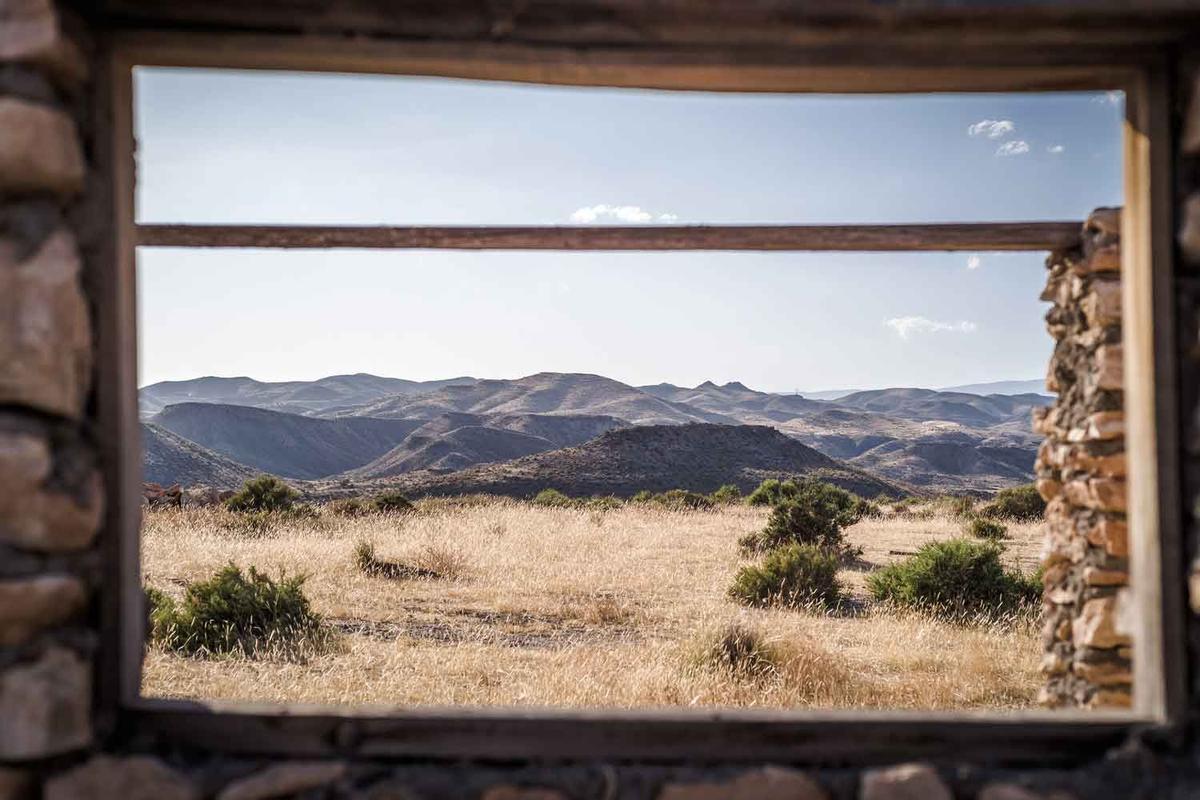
{"x": 50, "y": 513}
{"x": 50, "y": 488}
{"x": 1081, "y": 474}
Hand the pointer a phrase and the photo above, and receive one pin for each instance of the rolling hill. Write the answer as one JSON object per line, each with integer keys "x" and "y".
{"x": 698, "y": 456}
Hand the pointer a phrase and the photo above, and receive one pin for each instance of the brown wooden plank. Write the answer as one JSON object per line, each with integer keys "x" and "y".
{"x": 934, "y": 237}
{"x": 726, "y": 736}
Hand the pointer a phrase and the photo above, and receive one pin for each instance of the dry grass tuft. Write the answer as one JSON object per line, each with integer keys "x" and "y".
{"x": 555, "y": 610}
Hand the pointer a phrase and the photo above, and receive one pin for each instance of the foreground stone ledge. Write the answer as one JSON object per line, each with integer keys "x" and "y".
{"x": 284, "y": 780}
{"x": 107, "y": 778}
{"x": 45, "y": 335}
{"x": 768, "y": 783}
{"x": 30, "y": 605}
{"x": 39, "y": 150}
{"x": 35, "y": 516}
{"x": 904, "y": 782}
{"x": 45, "y": 706}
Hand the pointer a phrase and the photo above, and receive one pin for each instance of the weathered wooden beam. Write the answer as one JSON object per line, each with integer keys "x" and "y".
{"x": 988, "y": 236}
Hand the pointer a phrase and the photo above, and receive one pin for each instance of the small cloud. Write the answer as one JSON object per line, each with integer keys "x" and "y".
{"x": 1055, "y": 149}
{"x": 906, "y": 327}
{"x": 1017, "y": 147}
{"x": 973, "y": 262}
{"x": 1109, "y": 98}
{"x": 992, "y": 128}
{"x": 603, "y": 211}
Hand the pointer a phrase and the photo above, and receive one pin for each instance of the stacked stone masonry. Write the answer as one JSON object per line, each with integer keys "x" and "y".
{"x": 51, "y": 511}
{"x": 1081, "y": 474}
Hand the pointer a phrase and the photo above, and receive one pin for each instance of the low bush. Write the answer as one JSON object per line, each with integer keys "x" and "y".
{"x": 683, "y": 500}
{"x": 796, "y": 575}
{"x": 644, "y": 496}
{"x": 237, "y": 613}
{"x": 392, "y": 503}
{"x": 552, "y": 498}
{"x": 988, "y": 529}
{"x": 738, "y": 650}
{"x": 771, "y": 492}
{"x": 369, "y": 564}
{"x": 349, "y": 507}
{"x": 795, "y": 522}
{"x": 266, "y": 493}
{"x": 956, "y": 578}
{"x": 726, "y": 495}
{"x": 603, "y": 503}
{"x": 1019, "y": 503}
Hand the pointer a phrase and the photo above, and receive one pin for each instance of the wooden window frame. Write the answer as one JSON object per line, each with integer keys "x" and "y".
{"x": 813, "y": 737}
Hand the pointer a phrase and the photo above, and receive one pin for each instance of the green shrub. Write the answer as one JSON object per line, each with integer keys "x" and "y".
{"x": 795, "y": 522}
{"x": 1019, "y": 503}
{"x": 955, "y": 578}
{"x": 237, "y": 613}
{"x": 644, "y": 496}
{"x": 738, "y": 650}
{"x": 264, "y": 493}
{"x": 603, "y": 503}
{"x": 771, "y": 492}
{"x": 795, "y": 575}
{"x": 392, "y": 503}
{"x": 982, "y": 528}
{"x": 726, "y": 495}
{"x": 552, "y": 498}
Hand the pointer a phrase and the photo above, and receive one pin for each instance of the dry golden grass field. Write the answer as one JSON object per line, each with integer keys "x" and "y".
{"x": 579, "y": 608}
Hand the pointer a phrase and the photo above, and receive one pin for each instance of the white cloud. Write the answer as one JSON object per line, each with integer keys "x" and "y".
{"x": 992, "y": 128}
{"x": 603, "y": 211}
{"x": 973, "y": 262}
{"x": 1055, "y": 149}
{"x": 1109, "y": 98}
{"x": 908, "y": 326}
{"x": 1017, "y": 147}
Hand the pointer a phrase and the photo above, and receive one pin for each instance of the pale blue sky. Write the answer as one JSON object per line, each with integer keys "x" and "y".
{"x": 269, "y": 147}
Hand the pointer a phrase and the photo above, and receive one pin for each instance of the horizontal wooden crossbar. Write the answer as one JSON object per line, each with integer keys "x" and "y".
{"x": 987, "y": 236}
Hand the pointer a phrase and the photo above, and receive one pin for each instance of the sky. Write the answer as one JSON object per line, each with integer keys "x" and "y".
{"x": 262, "y": 147}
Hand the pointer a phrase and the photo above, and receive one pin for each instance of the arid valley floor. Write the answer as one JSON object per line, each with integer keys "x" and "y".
{"x": 580, "y": 608}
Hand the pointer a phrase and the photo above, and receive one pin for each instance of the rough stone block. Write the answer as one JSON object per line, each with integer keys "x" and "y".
{"x": 136, "y": 778}
{"x": 1102, "y": 305}
{"x": 1105, "y": 220}
{"x": 39, "y": 150}
{"x": 509, "y": 792}
{"x": 1049, "y": 488}
{"x": 1116, "y": 673}
{"x": 15, "y": 785}
{"x": 1097, "y": 576}
{"x": 1110, "y": 534}
{"x": 35, "y": 515}
{"x": 904, "y": 782}
{"x": 1108, "y": 494}
{"x": 45, "y": 337}
{"x": 768, "y": 783}
{"x": 1111, "y": 698}
{"x": 30, "y": 33}
{"x": 284, "y": 779}
{"x": 29, "y": 605}
{"x": 1096, "y": 625}
{"x": 46, "y": 706}
{"x": 1109, "y": 364}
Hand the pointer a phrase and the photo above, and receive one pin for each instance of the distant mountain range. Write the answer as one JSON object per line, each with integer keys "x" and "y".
{"x": 438, "y": 434}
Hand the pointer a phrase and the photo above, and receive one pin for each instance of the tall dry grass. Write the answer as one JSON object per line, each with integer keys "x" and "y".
{"x": 578, "y": 608}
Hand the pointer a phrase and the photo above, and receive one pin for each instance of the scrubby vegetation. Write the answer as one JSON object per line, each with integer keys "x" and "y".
{"x": 988, "y": 529}
{"x": 727, "y": 494}
{"x": 1020, "y": 503}
{"x": 957, "y": 578}
{"x": 809, "y": 514}
{"x": 369, "y": 564}
{"x": 552, "y": 498}
{"x": 738, "y": 650}
{"x": 266, "y": 493}
{"x": 236, "y": 613}
{"x": 771, "y": 492}
{"x": 795, "y": 575}
{"x": 392, "y": 503}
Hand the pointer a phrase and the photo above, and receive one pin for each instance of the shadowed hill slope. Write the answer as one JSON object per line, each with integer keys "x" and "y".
{"x": 168, "y": 458}
{"x": 286, "y": 445}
